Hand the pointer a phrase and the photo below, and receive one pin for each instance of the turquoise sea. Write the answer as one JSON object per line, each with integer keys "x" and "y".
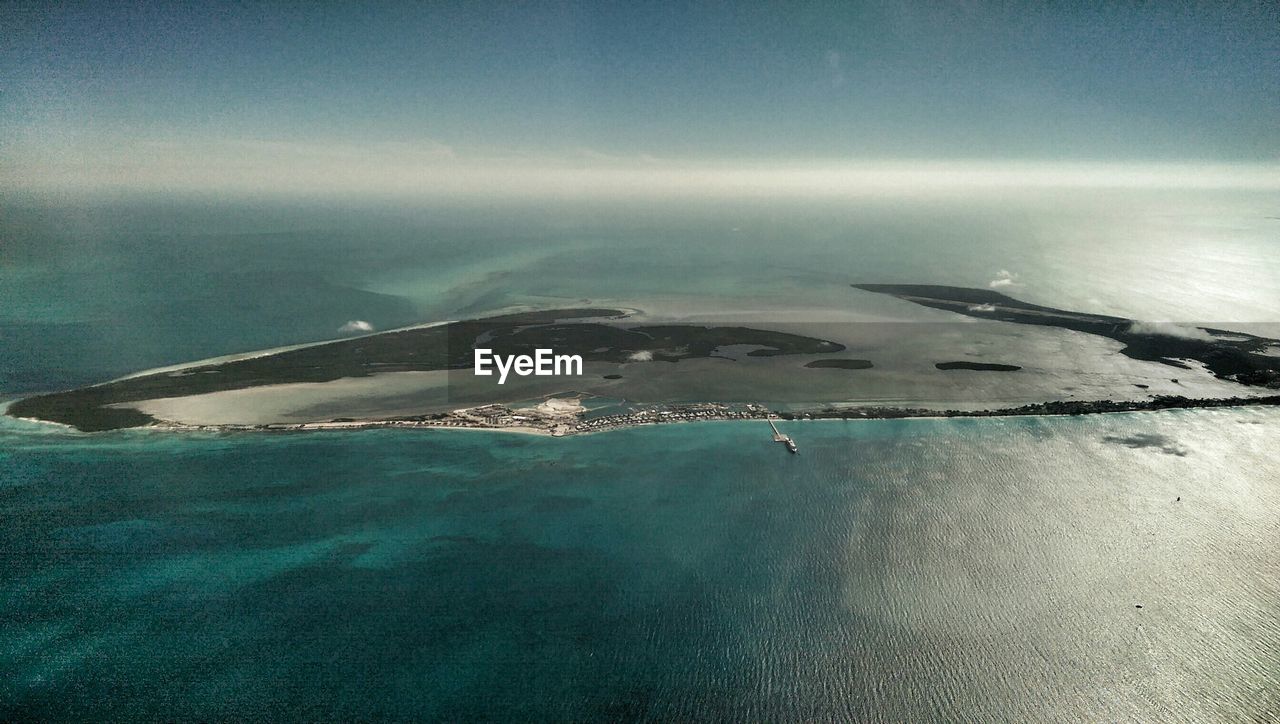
{"x": 917, "y": 569}
{"x": 895, "y": 570}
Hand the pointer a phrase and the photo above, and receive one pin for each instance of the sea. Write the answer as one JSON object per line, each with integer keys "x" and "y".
{"x": 1110, "y": 567}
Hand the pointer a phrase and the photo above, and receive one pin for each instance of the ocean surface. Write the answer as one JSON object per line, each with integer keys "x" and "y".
{"x": 910, "y": 569}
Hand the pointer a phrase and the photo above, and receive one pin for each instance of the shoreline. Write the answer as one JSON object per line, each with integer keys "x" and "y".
{"x": 444, "y": 346}
{"x": 259, "y": 353}
{"x": 559, "y": 427}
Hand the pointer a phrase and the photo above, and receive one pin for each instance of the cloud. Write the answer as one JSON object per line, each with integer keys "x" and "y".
{"x": 1004, "y": 278}
{"x": 356, "y": 325}
{"x": 643, "y": 355}
{"x": 982, "y": 308}
{"x": 1169, "y": 329}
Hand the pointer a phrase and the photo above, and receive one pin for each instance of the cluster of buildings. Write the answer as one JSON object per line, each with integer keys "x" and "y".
{"x": 672, "y": 413}
{"x": 500, "y": 416}
{"x": 571, "y": 422}
{"x": 495, "y": 416}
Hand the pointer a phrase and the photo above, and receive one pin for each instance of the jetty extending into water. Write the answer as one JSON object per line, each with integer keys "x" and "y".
{"x": 779, "y": 437}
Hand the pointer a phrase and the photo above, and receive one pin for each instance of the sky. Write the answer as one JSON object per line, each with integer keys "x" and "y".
{"x": 459, "y": 96}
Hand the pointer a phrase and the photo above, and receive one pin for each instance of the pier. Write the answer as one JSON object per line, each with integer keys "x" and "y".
{"x": 779, "y": 437}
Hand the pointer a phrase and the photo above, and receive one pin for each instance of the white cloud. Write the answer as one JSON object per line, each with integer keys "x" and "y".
{"x": 643, "y": 355}
{"x": 1170, "y": 329}
{"x": 982, "y": 308}
{"x": 356, "y": 325}
{"x": 1004, "y": 278}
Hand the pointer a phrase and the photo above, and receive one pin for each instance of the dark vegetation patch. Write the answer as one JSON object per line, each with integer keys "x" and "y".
{"x": 840, "y": 364}
{"x": 1230, "y": 355}
{"x": 1152, "y": 441}
{"x": 982, "y": 366}
{"x": 443, "y": 347}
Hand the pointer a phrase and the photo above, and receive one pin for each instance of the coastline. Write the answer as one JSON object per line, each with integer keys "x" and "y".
{"x": 164, "y": 397}
{"x": 673, "y": 415}
{"x": 260, "y": 353}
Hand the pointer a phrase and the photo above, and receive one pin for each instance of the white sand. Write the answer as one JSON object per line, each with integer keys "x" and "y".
{"x": 1057, "y": 365}
{"x": 265, "y": 352}
{"x": 299, "y": 402}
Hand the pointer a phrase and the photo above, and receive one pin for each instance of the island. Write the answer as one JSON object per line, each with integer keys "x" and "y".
{"x": 979, "y": 366}
{"x": 612, "y": 340}
{"x": 1232, "y": 356}
{"x": 598, "y": 335}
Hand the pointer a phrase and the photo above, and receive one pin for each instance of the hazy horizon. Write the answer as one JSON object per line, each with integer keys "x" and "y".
{"x": 552, "y": 99}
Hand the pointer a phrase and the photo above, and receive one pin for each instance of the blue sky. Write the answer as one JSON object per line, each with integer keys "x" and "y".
{"x": 130, "y": 86}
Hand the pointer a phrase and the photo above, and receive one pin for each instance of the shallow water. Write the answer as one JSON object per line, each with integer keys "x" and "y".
{"x": 96, "y": 291}
{"x": 893, "y": 569}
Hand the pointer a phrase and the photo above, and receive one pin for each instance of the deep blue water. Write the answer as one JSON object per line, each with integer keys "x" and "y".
{"x": 894, "y": 569}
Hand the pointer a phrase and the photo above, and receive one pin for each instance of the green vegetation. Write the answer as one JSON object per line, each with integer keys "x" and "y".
{"x": 443, "y": 347}
{"x": 982, "y": 366}
{"x": 840, "y": 364}
{"x": 1232, "y": 356}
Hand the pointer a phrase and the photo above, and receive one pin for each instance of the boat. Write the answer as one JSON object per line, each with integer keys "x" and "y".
{"x": 785, "y": 440}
